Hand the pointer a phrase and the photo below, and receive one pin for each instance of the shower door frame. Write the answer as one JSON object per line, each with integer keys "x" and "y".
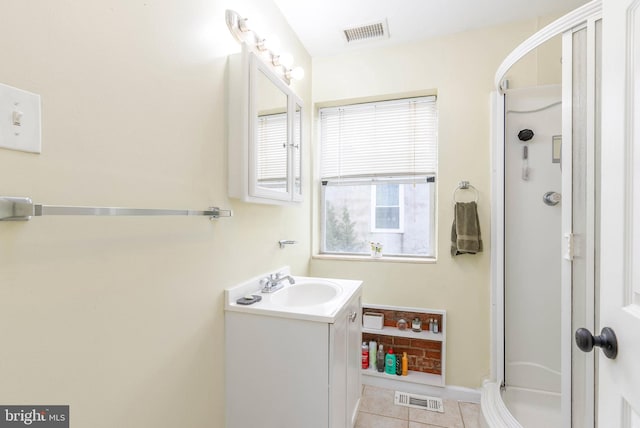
{"x": 584, "y": 309}
{"x": 582, "y": 17}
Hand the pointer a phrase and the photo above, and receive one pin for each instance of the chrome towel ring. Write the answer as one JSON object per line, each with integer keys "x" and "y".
{"x": 465, "y": 185}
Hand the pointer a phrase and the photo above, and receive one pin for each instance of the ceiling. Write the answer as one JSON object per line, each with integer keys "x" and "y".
{"x": 320, "y": 23}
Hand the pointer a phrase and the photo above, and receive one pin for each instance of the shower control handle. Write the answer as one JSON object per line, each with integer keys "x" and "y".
{"x": 607, "y": 341}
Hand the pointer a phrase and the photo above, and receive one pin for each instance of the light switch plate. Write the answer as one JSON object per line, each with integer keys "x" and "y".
{"x": 20, "y": 121}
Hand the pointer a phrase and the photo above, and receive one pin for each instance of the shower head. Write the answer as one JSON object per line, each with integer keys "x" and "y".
{"x": 525, "y": 135}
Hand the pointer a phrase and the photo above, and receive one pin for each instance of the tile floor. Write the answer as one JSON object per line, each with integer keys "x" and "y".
{"x": 378, "y": 411}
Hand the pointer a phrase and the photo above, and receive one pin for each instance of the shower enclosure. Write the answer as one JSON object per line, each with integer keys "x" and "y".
{"x": 546, "y": 151}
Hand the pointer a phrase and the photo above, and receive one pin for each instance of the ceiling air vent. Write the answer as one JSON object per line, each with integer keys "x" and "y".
{"x": 377, "y": 30}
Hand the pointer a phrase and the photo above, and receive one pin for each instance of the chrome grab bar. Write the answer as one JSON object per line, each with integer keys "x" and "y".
{"x": 22, "y": 209}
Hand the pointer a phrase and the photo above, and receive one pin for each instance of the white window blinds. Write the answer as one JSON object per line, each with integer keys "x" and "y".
{"x": 272, "y": 147}
{"x": 388, "y": 138}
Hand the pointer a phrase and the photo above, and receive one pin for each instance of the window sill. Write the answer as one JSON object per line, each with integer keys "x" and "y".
{"x": 383, "y": 259}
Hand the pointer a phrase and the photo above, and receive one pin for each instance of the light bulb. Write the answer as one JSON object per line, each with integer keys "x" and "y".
{"x": 286, "y": 59}
{"x": 272, "y": 43}
{"x": 297, "y": 73}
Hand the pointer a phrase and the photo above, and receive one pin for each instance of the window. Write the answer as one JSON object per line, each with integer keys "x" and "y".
{"x": 388, "y": 207}
{"x": 378, "y": 168}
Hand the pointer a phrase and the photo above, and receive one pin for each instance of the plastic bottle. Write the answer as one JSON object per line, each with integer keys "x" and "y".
{"x": 398, "y": 365}
{"x": 435, "y": 326}
{"x": 380, "y": 359}
{"x": 373, "y": 350}
{"x": 365, "y": 355}
{"x": 405, "y": 364}
{"x": 390, "y": 362}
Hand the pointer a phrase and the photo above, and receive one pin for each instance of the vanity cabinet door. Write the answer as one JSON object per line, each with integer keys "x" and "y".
{"x": 276, "y": 372}
{"x": 337, "y": 371}
{"x": 354, "y": 360}
{"x": 345, "y": 362}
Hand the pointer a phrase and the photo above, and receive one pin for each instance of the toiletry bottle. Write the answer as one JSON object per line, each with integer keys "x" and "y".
{"x": 365, "y": 355}
{"x": 390, "y": 362}
{"x": 401, "y": 324}
{"x": 398, "y": 365}
{"x": 430, "y": 324}
{"x": 380, "y": 358}
{"x": 405, "y": 364}
{"x": 435, "y": 326}
{"x": 373, "y": 350}
{"x": 416, "y": 325}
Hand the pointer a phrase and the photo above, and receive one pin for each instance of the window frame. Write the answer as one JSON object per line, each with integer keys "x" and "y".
{"x": 430, "y": 218}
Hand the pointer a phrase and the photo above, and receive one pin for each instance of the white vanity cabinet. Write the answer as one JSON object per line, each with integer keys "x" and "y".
{"x": 264, "y": 133}
{"x": 284, "y": 372}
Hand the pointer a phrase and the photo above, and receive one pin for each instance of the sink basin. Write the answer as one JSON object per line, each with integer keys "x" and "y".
{"x": 307, "y": 293}
{"x": 309, "y": 298}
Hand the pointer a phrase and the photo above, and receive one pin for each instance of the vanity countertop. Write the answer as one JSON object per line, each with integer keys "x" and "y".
{"x": 309, "y": 298}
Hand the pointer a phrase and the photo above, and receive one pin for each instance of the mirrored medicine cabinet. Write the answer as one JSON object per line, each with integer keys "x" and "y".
{"x": 265, "y": 133}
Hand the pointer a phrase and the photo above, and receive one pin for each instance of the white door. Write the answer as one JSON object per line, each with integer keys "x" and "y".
{"x": 619, "y": 379}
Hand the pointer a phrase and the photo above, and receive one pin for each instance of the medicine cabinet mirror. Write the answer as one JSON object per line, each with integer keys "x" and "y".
{"x": 264, "y": 135}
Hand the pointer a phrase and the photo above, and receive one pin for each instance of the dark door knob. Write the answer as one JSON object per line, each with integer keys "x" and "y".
{"x": 607, "y": 341}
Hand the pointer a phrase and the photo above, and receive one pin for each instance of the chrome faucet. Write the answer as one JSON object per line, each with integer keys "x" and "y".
{"x": 273, "y": 282}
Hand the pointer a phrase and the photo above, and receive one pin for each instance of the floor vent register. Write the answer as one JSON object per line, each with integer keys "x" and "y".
{"x": 433, "y": 404}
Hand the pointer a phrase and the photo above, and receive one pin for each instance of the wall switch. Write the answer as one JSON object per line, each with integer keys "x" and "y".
{"x": 20, "y": 123}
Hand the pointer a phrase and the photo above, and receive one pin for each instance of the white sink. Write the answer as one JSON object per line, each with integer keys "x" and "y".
{"x": 309, "y": 298}
{"x": 306, "y": 293}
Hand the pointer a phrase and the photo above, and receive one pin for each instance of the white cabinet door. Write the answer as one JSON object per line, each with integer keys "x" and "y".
{"x": 619, "y": 378}
{"x": 276, "y": 372}
{"x": 346, "y": 362}
{"x": 269, "y": 143}
{"x": 354, "y": 359}
{"x": 338, "y": 369}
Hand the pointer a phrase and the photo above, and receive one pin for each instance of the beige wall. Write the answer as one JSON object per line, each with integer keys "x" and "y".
{"x": 122, "y": 318}
{"x": 460, "y": 69}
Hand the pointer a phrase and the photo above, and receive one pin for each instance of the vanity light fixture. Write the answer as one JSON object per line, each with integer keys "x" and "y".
{"x": 282, "y": 63}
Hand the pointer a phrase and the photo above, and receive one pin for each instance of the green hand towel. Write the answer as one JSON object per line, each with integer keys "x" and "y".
{"x": 465, "y": 231}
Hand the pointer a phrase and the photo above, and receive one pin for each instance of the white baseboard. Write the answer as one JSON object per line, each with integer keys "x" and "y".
{"x": 458, "y": 393}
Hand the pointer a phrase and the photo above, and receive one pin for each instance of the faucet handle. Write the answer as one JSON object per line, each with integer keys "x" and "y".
{"x": 276, "y": 276}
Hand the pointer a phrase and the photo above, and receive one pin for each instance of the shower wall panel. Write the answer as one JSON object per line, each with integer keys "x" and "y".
{"x": 533, "y": 239}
